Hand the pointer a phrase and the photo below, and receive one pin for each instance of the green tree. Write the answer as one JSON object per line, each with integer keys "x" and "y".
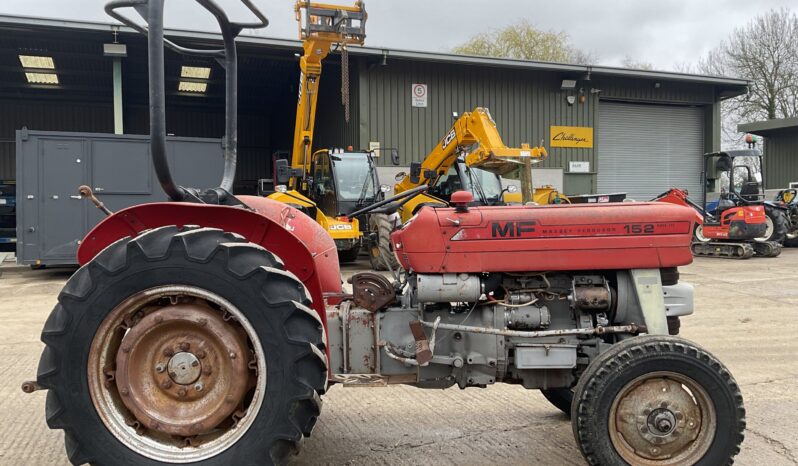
{"x": 631, "y": 63}
{"x": 523, "y": 40}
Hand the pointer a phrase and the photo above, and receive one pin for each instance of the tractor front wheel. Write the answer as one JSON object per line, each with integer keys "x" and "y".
{"x": 657, "y": 401}
{"x": 183, "y": 345}
{"x": 561, "y": 398}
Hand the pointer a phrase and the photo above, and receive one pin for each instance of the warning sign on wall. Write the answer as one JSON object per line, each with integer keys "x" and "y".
{"x": 419, "y": 95}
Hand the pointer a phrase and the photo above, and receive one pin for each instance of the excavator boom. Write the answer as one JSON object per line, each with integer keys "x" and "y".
{"x": 475, "y": 139}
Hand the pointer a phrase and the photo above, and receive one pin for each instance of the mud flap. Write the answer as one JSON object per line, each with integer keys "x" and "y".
{"x": 648, "y": 287}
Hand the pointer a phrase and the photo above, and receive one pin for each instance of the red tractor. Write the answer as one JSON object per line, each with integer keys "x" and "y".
{"x": 739, "y": 224}
{"x": 206, "y": 330}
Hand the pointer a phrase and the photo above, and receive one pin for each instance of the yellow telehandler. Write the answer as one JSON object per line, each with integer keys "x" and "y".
{"x": 327, "y": 184}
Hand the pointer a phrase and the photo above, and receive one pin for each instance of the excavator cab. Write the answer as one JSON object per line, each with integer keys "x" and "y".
{"x": 485, "y": 186}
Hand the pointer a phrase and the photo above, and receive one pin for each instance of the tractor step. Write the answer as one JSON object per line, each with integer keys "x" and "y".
{"x": 724, "y": 250}
{"x": 360, "y": 380}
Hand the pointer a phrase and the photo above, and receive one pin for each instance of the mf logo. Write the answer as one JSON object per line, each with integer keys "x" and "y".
{"x": 511, "y": 229}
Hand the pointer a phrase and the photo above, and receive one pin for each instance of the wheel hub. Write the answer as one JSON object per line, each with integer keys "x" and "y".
{"x": 182, "y": 369}
{"x": 660, "y": 419}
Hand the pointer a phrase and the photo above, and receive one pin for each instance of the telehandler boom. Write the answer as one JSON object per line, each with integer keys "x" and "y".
{"x": 327, "y": 184}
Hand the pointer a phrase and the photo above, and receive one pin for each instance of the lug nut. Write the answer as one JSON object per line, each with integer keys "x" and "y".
{"x": 185, "y": 346}
{"x": 198, "y": 386}
{"x": 181, "y": 392}
{"x": 201, "y": 354}
{"x": 207, "y": 371}
{"x": 232, "y": 355}
{"x": 166, "y": 384}
{"x": 159, "y": 368}
{"x": 168, "y": 352}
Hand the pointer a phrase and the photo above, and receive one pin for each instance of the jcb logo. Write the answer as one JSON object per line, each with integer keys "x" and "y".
{"x": 511, "y": 229}
{"x": 341, "y": 226}
{"x": 449, "y": 138}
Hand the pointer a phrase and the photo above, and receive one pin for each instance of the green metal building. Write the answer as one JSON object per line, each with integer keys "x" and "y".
{"x": 780, "y": 150}
{"x": 606, "y": 129}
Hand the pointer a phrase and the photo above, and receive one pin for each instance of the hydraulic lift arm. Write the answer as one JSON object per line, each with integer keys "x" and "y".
{"x": 474, "y": 136}
{"x": 320, "y": 27}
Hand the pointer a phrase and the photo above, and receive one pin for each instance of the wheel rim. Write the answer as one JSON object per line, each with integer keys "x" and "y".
{"x": 177, "y": 373}
{"x": 768, "y": 230}
{"x": 662, "y": 419}
{"x": 699, "y": 234}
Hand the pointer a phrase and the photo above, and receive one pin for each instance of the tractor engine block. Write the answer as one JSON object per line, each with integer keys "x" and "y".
{"x": 536, "y": 329}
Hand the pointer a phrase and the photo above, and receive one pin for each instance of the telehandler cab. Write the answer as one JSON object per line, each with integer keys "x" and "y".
{"x": 206, "y": 330}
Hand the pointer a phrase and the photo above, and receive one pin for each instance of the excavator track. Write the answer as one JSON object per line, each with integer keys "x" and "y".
{"x": 724, "y": 250}
{"x": 767, "y": 249}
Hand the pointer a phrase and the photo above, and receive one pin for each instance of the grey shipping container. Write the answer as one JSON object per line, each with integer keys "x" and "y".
{"x": 51, "y": 216}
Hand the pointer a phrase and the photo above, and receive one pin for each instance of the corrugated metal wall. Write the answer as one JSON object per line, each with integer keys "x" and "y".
{"x": 332, "y": 129}
{"x": 46, "y": 116}
{"x": 523, "y": 104}
{"x": 781, "y": 159}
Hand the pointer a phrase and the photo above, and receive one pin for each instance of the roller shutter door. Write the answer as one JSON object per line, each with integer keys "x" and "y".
{"x": 644, "y": 150}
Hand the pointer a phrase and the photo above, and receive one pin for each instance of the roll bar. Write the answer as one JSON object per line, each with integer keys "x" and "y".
{"x": 152, "y": 13}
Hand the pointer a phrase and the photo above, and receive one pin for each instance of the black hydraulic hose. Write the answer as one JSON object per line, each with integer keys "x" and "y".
{"x": 158, "y": 100}
{"x": 403, "y": 195}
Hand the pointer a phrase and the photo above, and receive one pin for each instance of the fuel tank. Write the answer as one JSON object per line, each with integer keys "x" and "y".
{"x": 546, "y": 238}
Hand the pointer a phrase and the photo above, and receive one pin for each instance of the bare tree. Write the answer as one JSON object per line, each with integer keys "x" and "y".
{"x": 523, "y": 40}
{"x": 765, "y": 52}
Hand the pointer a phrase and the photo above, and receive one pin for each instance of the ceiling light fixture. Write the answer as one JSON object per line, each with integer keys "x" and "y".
{"x": 41, "y": 78}
{"x": 39, "y": 62}
{"x": 195, "y": 72}
{"x": 189, "y": 86}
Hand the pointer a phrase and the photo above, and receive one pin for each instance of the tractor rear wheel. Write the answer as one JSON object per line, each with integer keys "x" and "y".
{"x": 183, "y": 345}
{"x": 776, "y": 226}
{"x": 382, "y": 251}
{"x": 657, "y": 400}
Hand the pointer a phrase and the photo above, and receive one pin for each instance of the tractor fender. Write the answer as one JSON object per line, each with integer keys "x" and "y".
{"x": 776, "y": 205}
{"x": 302, "y": 244}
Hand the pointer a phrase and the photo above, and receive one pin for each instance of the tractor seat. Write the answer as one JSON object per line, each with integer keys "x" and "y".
{"x": 750, "y": 191}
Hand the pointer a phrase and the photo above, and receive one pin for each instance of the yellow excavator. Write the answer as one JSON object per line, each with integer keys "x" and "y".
{"x": 327, "y": 184}
{"x": 472, "y": 157}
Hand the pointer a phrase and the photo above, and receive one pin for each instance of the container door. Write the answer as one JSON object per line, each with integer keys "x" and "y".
{"x": 62, "y": 218}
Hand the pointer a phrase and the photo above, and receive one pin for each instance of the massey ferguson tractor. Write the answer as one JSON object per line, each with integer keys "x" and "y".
{"x": 206, "y": 330}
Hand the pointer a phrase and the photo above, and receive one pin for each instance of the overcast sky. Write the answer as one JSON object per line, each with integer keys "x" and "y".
{"x": 662, "y": 32}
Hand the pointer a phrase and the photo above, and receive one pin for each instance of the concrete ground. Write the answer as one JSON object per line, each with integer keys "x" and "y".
{"x": 746, "y": 314}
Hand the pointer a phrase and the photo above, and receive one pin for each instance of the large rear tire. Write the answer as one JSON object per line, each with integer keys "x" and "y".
{"x": 382, "y": 252}
{"x": 657, "y": 400}
{"x": 777, "y": 226}
{"x": 183, "y": 345}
